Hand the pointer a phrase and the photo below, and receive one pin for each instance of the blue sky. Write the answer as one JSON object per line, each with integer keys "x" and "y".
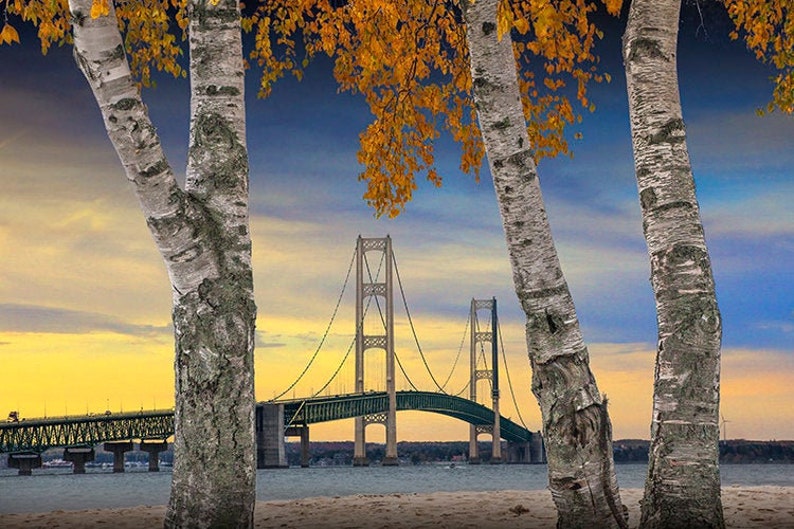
{"x": 82, "y": 285}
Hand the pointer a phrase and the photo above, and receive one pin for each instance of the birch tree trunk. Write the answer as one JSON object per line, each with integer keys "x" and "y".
{"x": 202, "y": 235}
{"x": 576, "y": 426}
{"x": 683, "y": 484}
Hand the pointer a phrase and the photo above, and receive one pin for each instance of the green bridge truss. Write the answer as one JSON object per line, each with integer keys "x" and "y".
{"x": 37, "y": 435}
{"x": 323, "y": 409}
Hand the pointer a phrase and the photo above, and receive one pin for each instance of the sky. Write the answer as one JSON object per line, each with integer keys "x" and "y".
{"x": 85, "y": 300}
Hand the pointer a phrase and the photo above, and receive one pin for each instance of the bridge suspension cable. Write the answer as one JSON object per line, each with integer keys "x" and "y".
{"x": 400, "y": 364}
{"x": 383, "y": 319}
{"x": 327, "y": 330}
{"x": 359, "y": 324}
{"x": 509, "y": 382}
{"x": 457, "y": 357}
{"x": 413, "y": 330}
{"x": 463, "y": 389}
{"x": 338, "y": 369}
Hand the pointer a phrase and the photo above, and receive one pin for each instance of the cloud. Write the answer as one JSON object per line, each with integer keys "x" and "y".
{"x": 266, "y": 340}
{"x": 38, "y": 319}
{"x": 786, "y": 327}
{"x": 735, "y": 145}
{"x": 751, "y": 213}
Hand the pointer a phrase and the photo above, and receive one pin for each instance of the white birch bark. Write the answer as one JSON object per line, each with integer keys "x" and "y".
{"x": 202, "y": 234}
{"x": 576, "y": 426}
{"x": 683, "y": 484}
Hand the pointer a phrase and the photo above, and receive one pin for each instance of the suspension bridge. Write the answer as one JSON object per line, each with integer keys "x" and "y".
{"x": 282, "y": 417}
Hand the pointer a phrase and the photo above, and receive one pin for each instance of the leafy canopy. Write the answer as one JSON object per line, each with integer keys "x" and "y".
{"x": 152, "y": 29}
{"x": 410, "y": 61}
{"x": 768, "y": 28}
{"x": 408, "y": 58}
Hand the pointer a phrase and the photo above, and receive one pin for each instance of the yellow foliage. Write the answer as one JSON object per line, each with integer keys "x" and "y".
{"x": 613, "y": 6}
{"x": 409, "y": 60}
{"x": 100, "y": 8}
{"x": 148, "y": 36}
{"x": 504, "y": 19}
{"x": 8, "y": 35}
{"x": 768, "y": 29}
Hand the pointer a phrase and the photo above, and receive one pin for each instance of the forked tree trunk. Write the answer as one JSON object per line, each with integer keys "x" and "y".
{"x": 576, "y": 426}
{"x": 202, "y": 234}
{"x": 683, "y": 485}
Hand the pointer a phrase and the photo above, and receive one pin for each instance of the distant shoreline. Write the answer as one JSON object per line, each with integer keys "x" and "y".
{"x": 732, "y": 451}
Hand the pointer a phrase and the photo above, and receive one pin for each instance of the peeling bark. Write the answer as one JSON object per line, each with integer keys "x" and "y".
{"x": 683, "y": 485}
{"x": 576, "y": 427}
{"x": 202, "y": 234}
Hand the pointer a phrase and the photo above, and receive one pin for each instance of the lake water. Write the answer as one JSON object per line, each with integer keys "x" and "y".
{"x": 53, "y": 489}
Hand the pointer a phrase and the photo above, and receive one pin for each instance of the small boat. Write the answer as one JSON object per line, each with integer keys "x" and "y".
{"x": 56, "y": 463}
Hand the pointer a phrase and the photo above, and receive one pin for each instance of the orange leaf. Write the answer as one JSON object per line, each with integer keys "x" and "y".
{"x": 99, "y": 8}
{"x": 9, "y": 34}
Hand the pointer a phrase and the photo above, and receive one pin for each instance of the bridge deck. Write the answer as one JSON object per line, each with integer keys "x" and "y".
{"x": 38, "y": 435}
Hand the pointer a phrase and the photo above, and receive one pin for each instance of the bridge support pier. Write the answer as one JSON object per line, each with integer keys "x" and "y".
{"x": 301, "y": 431}
{"x": 118, "y": 448}
{"x": 25, "y": 462}
{"x": 537, "y": 452}
{"x": 270, "y": 450}
{"x": 79, "y": 456}
{"x": 474, "y": 451}
{"x": 518, "y": 453}
{"x": 360, "y": 445}
{"x": 527, "y": 452}
{"x": 154, "y": 447}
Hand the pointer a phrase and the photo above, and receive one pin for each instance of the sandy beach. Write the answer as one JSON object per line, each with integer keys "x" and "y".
{"x": 745, "y": 508}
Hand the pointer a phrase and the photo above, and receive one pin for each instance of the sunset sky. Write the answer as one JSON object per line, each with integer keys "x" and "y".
{"x": 85, "y": 300}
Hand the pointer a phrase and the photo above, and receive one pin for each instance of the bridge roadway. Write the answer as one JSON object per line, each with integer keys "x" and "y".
{"x": 38, "y": 435}
{"x": 323, "y": 409}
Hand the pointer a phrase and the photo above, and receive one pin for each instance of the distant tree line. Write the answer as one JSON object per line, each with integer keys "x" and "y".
{"x": 417, "y": 453}
{"x": 732, "y": 451}
{"x": 624, "y": 451}
{"x": 739, "y": 451}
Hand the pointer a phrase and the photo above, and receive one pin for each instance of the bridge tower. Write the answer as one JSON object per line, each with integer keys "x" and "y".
{"x": 477, "y": 338}
{"x": 384, "y": 341}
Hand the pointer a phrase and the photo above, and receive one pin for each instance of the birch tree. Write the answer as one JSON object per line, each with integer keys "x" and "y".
{"x": 683, "y": 484}
{"x": 201, "y": 230}
{"x": 576, "y": 425}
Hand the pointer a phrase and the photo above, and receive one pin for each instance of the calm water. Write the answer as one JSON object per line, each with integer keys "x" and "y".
{"x": 53, "y": 489}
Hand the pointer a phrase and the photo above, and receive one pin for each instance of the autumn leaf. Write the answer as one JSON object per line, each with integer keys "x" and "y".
{"x": 100, "y": 8}
{"x": 8, "y": 35}
{"x": 767, "y": 27}
{"x": 504, "y": 18}
{"x": 613, "y": 6}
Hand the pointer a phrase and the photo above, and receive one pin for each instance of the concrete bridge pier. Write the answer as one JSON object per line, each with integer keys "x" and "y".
{"x": 537, "y": 452}
{"x": 118, "y": 448}
{"x": 270, "y": 449}
{"x": 474, "y": 450}
{"x": 79, "y": 456}
{"x": 301, "y": 431}
{"x": 360, "y": 446}
{"x": 25, "y": 462}
{"x": 518, "y": 453}
{"x": 154, "y": 447}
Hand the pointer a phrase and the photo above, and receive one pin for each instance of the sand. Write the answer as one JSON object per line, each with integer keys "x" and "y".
{"x": 744, "y": 507}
